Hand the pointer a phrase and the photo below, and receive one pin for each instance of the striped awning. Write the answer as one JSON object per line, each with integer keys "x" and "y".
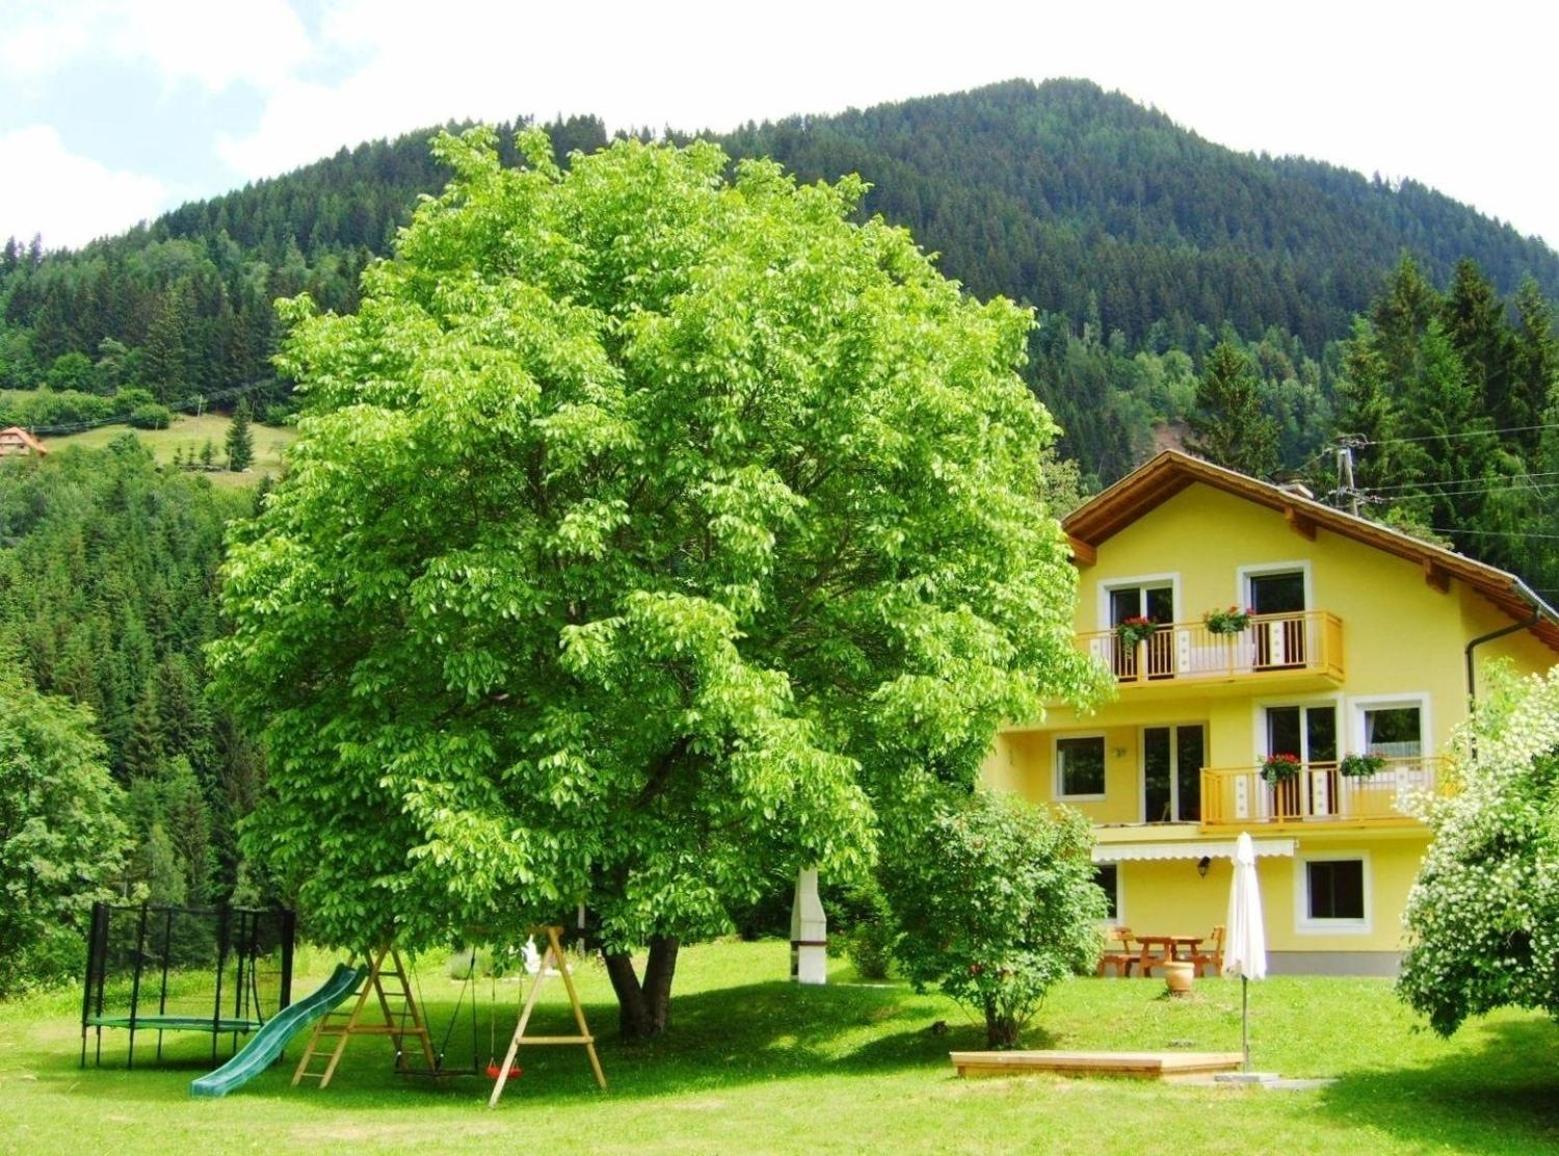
{"x": 1190, "y": 849}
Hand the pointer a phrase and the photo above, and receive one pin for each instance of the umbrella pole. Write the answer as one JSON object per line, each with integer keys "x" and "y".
{"x": 1245, "y": 1018}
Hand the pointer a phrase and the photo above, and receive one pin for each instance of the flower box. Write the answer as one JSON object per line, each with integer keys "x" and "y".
{"x": 1280, "y": 768}
{"x": 1360, "y": 766}
{"x": 1135, "y": 630}
{"x": 1230, "y": 621}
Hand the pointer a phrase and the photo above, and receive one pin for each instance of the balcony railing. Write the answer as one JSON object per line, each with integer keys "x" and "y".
{"x": 1305, "y": 642}
{"x": 1318, "y": 793}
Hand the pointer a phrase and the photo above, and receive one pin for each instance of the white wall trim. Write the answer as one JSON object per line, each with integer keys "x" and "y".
{"x": 1364, "y": 702}
{"x": 1303, "y": 924}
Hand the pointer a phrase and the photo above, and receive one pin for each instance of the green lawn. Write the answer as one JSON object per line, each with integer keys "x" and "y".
{"x": 755, "y": 1064}
{"x": 187, "y": 435}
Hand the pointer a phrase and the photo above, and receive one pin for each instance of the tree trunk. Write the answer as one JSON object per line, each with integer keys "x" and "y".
{"x": 1001, "y": 1031}
{"x": 642, "y": 1007}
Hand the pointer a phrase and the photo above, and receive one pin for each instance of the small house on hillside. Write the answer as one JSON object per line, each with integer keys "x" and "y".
{"x": 16, "y": 441}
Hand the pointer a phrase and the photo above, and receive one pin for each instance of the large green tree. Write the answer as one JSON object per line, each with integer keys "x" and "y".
{"x": 60, "y": 839}
{"x": 648, "y": 533}
{"x": 1483, "y": 917}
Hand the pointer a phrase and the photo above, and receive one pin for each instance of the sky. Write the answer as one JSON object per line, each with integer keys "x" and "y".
{"x": 112, "y": 111}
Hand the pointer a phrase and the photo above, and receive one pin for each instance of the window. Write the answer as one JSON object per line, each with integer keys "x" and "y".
{"x": 1152, "y": 599}
{"x": 1108, "y": 879}
{"x": 1172, "y": 759}
{"x": 1334, "y": 893}
{"x": 1080, "y": 767}
{"x": 1393, "y": 731}
{"x": 1336, "y": 889}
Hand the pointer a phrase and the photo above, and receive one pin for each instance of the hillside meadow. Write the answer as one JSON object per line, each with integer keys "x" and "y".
{"x": 187, "y": 436}
{"x": 755, "y": 1063}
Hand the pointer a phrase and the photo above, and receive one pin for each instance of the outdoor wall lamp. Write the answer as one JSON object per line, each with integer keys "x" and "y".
{"x": 1202, "y": 865}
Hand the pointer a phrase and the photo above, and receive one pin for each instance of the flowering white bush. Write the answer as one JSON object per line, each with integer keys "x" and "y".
{"x": 1483, "y": 917}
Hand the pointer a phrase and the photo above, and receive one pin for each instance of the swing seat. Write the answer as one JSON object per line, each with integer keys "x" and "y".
{"x": 494, "y": 1071}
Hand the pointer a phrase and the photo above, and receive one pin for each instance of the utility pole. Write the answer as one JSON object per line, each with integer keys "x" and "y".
{"x": 1345, "y": 487}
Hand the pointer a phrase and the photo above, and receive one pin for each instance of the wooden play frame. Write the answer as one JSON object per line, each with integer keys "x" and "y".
{"x": 400, "y": 1022}
{"x": 552, "y": 958}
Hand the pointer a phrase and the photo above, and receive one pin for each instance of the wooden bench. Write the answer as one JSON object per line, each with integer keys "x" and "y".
{"x": 1142, "y": 1065}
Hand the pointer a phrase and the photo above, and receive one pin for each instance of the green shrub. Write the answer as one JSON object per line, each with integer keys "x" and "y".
{"x": 996, "y": 902}
{"x": 870, "y": 946}
{"x": 151, "y": 416}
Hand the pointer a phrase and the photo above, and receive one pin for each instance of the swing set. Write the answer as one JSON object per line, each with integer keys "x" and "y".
{"x": 384, "y": 989}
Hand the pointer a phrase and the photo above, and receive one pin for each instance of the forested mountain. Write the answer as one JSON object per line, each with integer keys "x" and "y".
{"x": 1119, "y": 226}
{"x": 1082, "y": 202}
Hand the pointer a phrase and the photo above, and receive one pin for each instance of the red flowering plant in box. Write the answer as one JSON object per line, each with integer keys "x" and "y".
{"x": 1134, "y": 630}
{"x": 1279, "y": 768}
{"x": 1230, "y": 621}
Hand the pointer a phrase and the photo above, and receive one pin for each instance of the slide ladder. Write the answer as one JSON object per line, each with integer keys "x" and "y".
{"x": 268, "y": 1043}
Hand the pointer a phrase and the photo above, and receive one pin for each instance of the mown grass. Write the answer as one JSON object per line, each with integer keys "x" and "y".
{"x": 186, "y": 437}
{"x": 755, "y": 1064}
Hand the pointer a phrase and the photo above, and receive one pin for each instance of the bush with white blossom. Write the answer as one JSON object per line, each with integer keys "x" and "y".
{"x": 1483, "y": 917}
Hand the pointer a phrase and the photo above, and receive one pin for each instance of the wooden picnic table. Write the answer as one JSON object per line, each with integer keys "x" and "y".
{"x": 1171, "y": 948}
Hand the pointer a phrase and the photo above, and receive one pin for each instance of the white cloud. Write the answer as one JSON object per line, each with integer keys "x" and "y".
{"x": 213, "y": 45}
{"x": 70, "y": 199}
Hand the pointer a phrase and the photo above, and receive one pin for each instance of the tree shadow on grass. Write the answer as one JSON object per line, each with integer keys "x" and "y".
{"x": 1510, "y": 1088}
{"x": 718, "y": 1039}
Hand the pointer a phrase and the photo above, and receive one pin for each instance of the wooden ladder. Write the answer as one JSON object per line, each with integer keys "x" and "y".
{"x": 401, "y": 1020}
{"x": 551, "y": 958}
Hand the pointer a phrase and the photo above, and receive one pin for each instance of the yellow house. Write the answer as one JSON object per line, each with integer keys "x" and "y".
{"x": 1358, "y": 641}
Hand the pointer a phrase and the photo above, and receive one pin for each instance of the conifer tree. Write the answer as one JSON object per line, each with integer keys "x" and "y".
{"x": 1228, "y": 425}
{"x": 240, "y": 439}
{"x": 1474, "y": 320}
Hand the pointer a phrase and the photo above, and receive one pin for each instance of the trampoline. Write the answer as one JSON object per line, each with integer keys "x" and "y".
{"x": 219, "y": 970}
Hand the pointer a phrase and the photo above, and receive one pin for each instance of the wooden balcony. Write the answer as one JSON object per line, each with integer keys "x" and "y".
{"x": 1238, "y": 797}
{"x": 1308, "y": 643}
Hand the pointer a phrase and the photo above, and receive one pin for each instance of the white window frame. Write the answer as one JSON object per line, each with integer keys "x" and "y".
{"x": 1303, "y": 923}
{"x": 1120, "y": 919}
{"x": 1174, "y": 767}
{"x": 1357, "y": 707}
{"x": 1243, "y": 575}
{"x": 1060, "y": 781}
{"x": 1170, "y": 579}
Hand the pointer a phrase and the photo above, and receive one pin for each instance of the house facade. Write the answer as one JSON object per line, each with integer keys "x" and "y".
{"x": 1308, "y": 716}
{"x": 15, "y": 441}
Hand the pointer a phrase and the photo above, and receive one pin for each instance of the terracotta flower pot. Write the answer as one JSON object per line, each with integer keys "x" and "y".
{"x": 1178, "y": 977}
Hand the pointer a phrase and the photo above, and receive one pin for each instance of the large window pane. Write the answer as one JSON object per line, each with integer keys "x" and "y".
{"x": 1336, "y": 888}
{"x": 1155, "y": 775}
{"x": 1395, "y": 732}
{"x": 1080, "y": 765}
{"x": 1190, "y": 756}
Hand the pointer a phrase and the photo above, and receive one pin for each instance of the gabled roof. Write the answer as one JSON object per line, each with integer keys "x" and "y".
{"x": 16, "y": 435}
{"x": 1150, "y": 485}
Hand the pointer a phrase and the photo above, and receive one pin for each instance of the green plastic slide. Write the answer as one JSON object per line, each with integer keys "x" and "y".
{"x": 267, "y": 1043}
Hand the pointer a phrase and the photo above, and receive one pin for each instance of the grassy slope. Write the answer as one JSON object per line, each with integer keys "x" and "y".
{"x": 187, "y": 435}
{"x": 758, "y": 1065}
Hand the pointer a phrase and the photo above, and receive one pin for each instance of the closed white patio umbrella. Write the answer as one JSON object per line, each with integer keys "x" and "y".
{"x": 1245, "y": 948}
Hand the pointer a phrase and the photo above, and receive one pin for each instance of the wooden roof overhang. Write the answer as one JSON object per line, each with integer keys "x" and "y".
{"x": 1151, "y": 485}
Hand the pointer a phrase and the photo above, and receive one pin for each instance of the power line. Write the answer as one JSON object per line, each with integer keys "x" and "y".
{"x": 1483, "y": 483}
{"x": 1493, "y": 533}
{"x": 1473, "y": 433}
